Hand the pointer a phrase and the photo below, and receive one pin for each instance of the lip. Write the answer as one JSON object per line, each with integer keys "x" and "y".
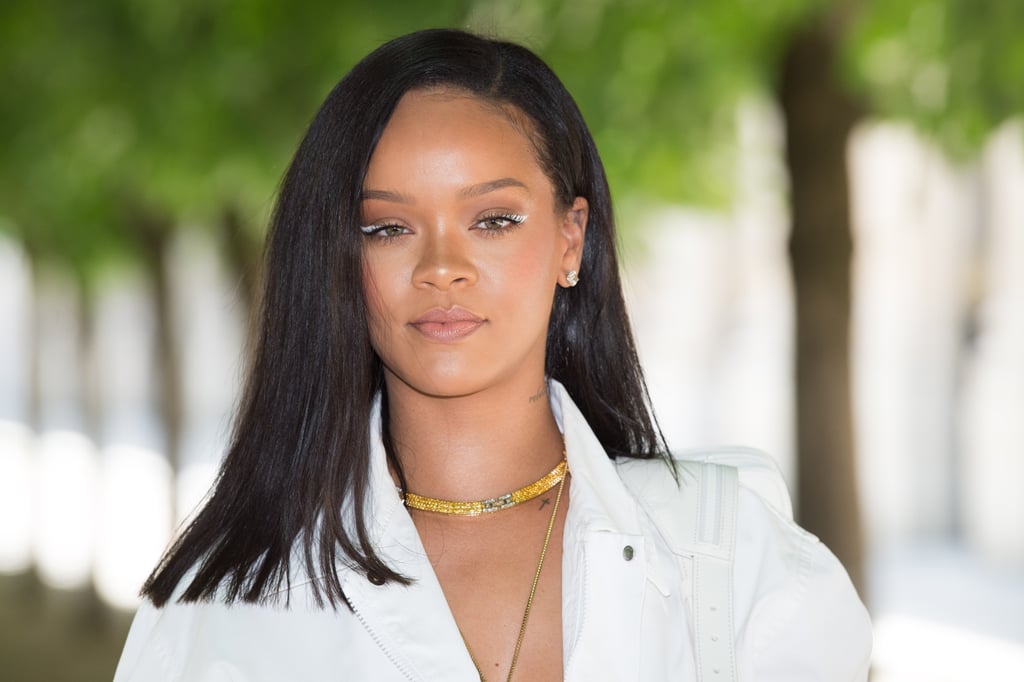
{"x": 447, "y": 325}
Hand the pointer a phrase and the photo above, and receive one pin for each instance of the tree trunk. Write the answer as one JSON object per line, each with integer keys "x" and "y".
{"x": 153, "y": 234}
{"x": 31, "y": 585}
{"x": 819, "y": 117}
{"x": 90, "y": 394}
{"x": 94, "y": 614}
{"x": 35, "y": 361}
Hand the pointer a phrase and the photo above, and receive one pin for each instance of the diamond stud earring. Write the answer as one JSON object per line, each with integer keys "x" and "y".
{"x": 572, "y": 277}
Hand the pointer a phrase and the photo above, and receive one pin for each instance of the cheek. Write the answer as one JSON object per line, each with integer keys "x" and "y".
{"x": 527, "y": 276}
{"x": 543, "y": 263}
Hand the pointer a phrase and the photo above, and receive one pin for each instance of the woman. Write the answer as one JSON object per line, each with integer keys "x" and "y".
{"x": 421, "y": 483}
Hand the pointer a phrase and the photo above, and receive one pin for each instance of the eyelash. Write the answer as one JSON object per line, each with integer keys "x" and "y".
{"x": 381, "y": 231}
{"x": 513, "y": 221}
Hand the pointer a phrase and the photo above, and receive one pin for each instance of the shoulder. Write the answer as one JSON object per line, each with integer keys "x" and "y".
{"x": 796, "y": 614}
{"x": 215, "y": 641}
{"x": 794, "y": 602}
{"x": 150, "y": 652}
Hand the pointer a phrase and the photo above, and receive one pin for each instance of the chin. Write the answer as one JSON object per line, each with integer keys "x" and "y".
{"x": 438, "y": 384}
{"x": 450, "y": 382}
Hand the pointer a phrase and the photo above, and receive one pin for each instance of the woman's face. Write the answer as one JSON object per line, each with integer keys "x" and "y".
{"x": 463, "y": 246}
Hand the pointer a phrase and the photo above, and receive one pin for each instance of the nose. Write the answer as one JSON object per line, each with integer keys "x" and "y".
{"x": 444, "y": 263}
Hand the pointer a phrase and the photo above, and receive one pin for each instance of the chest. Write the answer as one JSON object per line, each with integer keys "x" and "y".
{"x": 621, "y": 618}
{"x": 501, "y": 576}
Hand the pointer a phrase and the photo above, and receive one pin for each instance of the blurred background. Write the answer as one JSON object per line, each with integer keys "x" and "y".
{"x": 821, "y": 206}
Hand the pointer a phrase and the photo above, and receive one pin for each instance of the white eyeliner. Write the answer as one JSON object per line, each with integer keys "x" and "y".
{"x": 516, "y": 218}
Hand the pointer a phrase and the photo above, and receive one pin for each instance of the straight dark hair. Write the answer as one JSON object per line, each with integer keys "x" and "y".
{"x": 299, "y": 453}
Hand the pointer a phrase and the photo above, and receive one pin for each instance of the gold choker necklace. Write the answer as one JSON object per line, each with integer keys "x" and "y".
{"x": 475, "y": 508}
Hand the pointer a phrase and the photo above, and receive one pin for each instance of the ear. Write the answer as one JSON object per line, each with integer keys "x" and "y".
{"x": 574, "y": 230}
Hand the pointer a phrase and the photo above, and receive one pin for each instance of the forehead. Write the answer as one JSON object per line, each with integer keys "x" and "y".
{"x": 453, "y": 135}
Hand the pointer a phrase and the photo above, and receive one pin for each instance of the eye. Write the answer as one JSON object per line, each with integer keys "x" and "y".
{"x": 385, "y": 233}
{"x": 500, "y": 222}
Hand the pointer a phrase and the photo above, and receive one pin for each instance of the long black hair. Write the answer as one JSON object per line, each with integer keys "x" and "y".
{"x": 300, "y": 446}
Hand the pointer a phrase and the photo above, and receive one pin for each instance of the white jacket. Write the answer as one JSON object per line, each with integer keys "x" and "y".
{"x": 797, "y": 618}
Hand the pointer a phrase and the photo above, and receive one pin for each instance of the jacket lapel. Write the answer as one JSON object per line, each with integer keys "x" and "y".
{"x": 605, "y": 565}
{"x": 604, "y": 607}
{"x": 413, "y": 624}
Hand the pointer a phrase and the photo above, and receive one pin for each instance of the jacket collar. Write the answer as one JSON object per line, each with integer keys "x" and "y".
{"x": 600, "y": 497}
{"x": 601, "y": 512}
{"x": 600, "y": 500}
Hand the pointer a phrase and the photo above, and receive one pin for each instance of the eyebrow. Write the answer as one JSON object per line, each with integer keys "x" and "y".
{"x": 386, "y": 195}
{"x": 466, "y": 192}
{"x": 485, "y": 187}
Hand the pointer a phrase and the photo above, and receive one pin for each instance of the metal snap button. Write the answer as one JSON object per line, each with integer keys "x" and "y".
{"x": 627, "y": 552}
{"x": 375, "y": 579}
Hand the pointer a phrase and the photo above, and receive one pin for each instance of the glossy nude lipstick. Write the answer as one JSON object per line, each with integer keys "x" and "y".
{"x": 447, "y": 326}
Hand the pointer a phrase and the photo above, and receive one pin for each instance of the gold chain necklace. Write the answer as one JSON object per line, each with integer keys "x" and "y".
{"x": 475, "y": 508}
{"x": 536, "y": 579}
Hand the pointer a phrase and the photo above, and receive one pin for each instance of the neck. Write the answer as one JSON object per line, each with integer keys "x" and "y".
{"x": 477, "y": 446}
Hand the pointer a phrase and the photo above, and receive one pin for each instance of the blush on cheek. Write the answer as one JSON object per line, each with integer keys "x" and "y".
{"x": 533, "y": 260}
{"x": 535, "y": 269}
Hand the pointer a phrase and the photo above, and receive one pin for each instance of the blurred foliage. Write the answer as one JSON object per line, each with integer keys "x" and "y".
{"x": 658, "y": 80}
{"x": 180, "y": 107}
{"x": 190, "y": 108}
{"x": 953, "y": 68}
